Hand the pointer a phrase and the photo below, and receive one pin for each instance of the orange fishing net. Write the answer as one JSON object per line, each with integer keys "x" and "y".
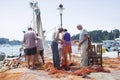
{"x": 11, "y": 76}
{"x": 109, "y": 64}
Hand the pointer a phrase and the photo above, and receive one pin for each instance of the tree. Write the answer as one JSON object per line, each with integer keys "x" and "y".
{"x": 4, "y": 41}
{"x": 97, "y": 36}
{"x": 116, "y": 33}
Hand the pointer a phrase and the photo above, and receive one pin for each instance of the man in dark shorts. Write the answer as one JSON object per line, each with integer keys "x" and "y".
{"x": 30, "y": 46}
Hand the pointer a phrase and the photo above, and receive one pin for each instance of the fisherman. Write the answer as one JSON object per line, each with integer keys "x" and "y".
{"x": 66, "y": 49}
{"x": 54, "y": 47}
{"x": 40, "y": 47}
{"x": 83, "y": 45}
{"x": 29, "y": 42}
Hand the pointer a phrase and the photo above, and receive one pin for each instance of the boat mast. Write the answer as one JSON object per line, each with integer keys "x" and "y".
{"x": 37, "y": 23}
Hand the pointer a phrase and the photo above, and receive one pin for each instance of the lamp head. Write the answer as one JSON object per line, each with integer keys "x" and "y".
{"x": 60, "y": 8}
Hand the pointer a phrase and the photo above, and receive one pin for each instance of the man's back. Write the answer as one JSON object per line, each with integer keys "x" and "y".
{"x": 29, "y": 39}
{"x": 40, "y": 43}
{"x": 67, "y": 36}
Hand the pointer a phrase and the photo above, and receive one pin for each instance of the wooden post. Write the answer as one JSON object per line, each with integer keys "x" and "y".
{"x": 118, "y": 53}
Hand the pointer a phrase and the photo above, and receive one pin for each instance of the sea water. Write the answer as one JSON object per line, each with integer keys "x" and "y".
{"x": 15, "y": 49}
{"x": 10, "y": 49}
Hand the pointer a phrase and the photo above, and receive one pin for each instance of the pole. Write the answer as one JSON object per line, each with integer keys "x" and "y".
{"x": 61, "y": 19}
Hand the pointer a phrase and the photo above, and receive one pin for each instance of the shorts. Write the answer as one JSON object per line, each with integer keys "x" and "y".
{"x": 41, "y": 52}
{"x": 30, "y": 51}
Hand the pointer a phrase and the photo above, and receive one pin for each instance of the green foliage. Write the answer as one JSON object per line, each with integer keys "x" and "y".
{"x": 75, "y": 37}
{"x": 6, "y": 41}
{"x": 98, "y": 36}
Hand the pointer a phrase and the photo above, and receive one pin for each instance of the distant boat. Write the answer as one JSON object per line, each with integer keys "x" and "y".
{"x": 111, "y": 45}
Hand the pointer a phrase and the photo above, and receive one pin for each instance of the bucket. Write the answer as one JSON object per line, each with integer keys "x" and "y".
{"x": 103, "y": 50}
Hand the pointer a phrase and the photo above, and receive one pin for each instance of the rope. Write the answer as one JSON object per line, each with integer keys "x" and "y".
{"x": 54, "y": 28}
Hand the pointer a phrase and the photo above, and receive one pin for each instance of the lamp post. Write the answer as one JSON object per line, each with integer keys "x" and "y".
{"x": 61, "y": 11}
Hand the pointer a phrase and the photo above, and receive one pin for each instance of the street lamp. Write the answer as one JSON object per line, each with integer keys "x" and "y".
{"x": 61, "y": 11}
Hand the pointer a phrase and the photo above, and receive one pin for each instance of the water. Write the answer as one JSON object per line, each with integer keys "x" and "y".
{"x": 10, "y": 49}
{"x": 14, "y": 49}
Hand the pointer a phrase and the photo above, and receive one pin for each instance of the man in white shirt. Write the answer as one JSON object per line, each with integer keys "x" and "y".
{"x": 83, "y": 44}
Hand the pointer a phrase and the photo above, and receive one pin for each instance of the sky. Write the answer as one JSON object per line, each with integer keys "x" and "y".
{"x": 16, "y": 16}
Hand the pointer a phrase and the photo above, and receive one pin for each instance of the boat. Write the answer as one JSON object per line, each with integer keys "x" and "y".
{"x": 111, "y": 45}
